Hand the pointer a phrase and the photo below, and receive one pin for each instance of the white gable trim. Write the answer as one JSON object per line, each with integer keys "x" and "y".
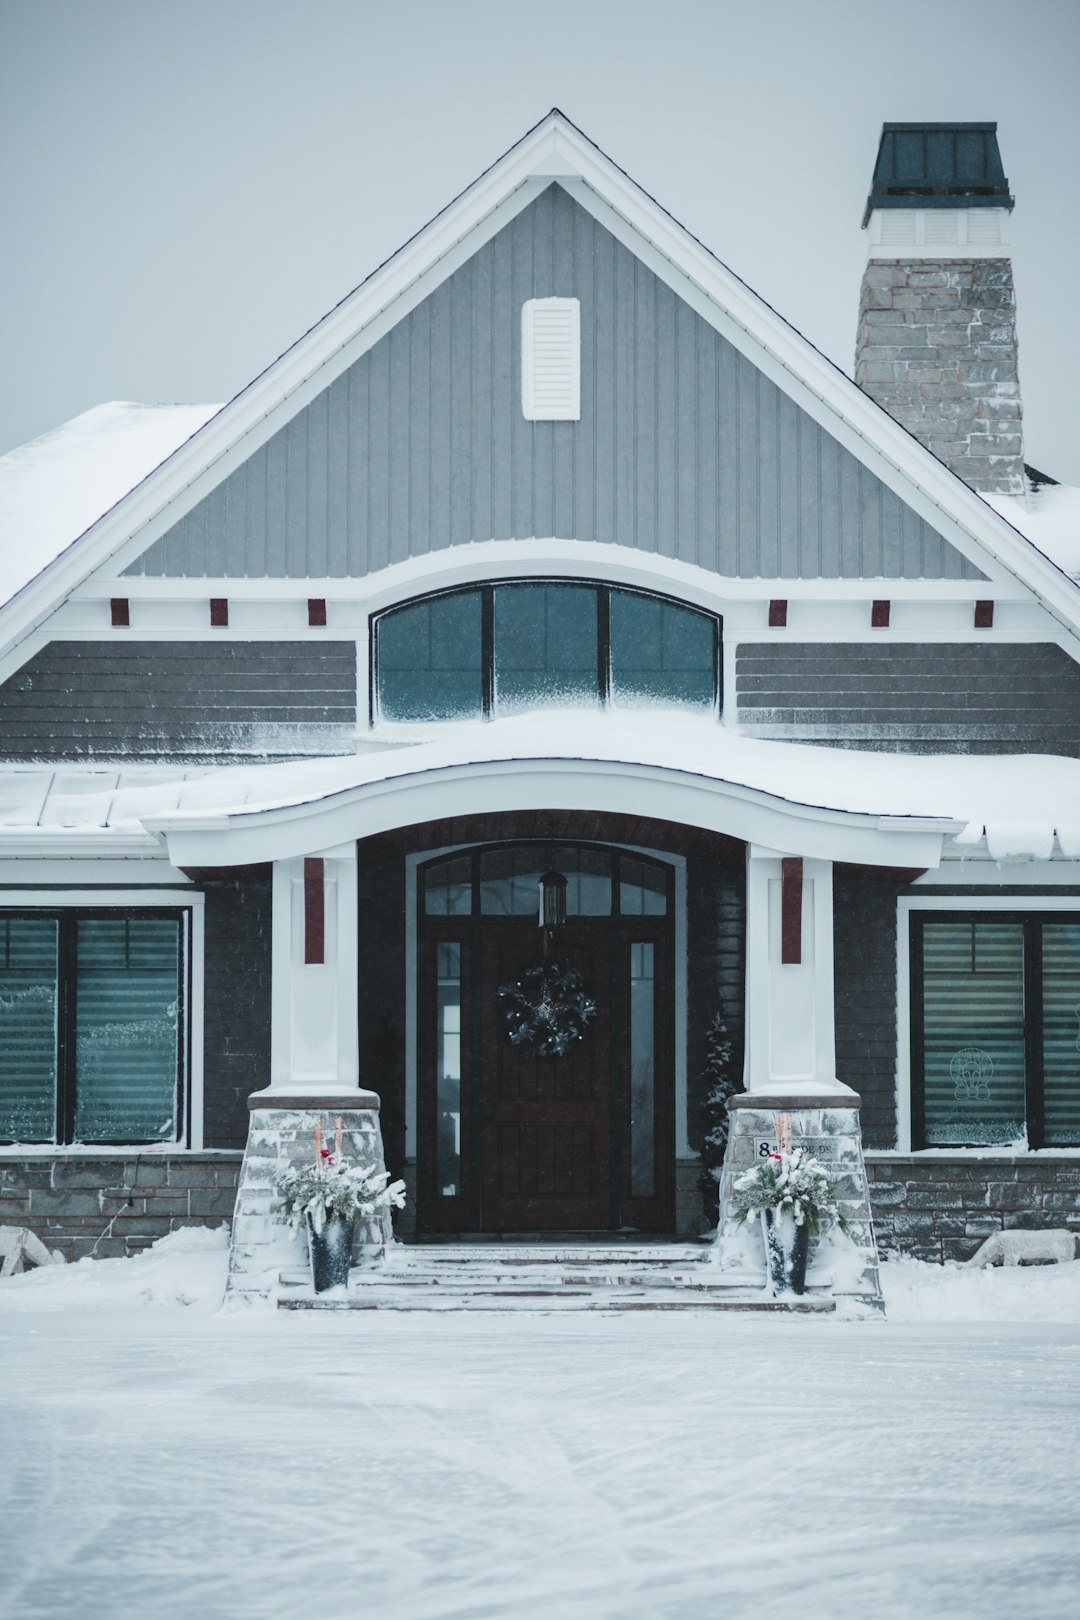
{"x": 554, "y": 149}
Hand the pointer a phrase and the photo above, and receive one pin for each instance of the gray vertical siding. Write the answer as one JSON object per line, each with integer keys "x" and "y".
{"x": 683, "y": 448}
{"x": 956, "y": 697}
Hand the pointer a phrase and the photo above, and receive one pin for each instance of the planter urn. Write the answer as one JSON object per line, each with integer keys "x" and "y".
{"x": 787, "y": 1246}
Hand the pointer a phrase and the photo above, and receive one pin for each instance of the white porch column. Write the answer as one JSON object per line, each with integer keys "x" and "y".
{"x": 314, "y": 1036}
{"x": 790, "y": 1036}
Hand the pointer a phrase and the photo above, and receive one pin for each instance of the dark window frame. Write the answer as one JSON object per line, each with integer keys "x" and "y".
{"x": 625, "y": 928}
{"x": 66, "y": 919}
{"x": 1032, "y": 923}
{"x": 474, "y": 853}
{"x": 486, "y": 591}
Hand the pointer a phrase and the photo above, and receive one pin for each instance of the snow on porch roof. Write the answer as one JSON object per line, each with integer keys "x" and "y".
{"x": 54, "y": 488}
{"x": 1018, "y": 804}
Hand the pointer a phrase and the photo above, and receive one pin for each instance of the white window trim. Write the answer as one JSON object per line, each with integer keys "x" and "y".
{"x": 570, "y": 409}
{"x": 175, "y": 900}
{"x": 952, "y": 902}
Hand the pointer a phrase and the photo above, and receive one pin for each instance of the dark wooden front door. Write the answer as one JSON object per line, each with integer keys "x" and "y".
{"x": 510, "y": 1143}
{"x": 545, "y": 1122}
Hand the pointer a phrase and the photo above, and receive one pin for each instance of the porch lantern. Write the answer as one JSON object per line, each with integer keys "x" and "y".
{"x": 552, "y": 900}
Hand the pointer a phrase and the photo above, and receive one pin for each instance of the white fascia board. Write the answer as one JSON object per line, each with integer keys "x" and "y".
{"x": 979, "y": 868}
{"x": 77, "y": 843}
{"x": 248, "y": 837}
{"x": 58, "y": 867}
{"x": 553, "y": 150}
{"x": 529, "y": 556}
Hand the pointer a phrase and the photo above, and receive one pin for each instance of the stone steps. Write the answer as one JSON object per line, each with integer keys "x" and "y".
{"x": 553, "y": 1299}
{"x": 499, "y": 1277}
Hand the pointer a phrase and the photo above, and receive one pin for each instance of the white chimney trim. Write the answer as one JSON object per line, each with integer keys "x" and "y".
{"x": 938, "y": 233}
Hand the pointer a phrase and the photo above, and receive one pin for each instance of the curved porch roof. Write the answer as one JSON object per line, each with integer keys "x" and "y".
{"x": 838, "y": 804}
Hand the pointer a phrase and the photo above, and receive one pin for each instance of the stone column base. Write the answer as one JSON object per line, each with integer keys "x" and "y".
{"x": 843, "y": 1264}
{"x": 281, "y": 1131}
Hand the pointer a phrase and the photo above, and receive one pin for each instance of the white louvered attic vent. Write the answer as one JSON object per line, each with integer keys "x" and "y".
{"x": 898, "y": 226}
{"x": 984, "y": 225}
{"x": 551, "y": 360}
{"x": 942, "y": 228}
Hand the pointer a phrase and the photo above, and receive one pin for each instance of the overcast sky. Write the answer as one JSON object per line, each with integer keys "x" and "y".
{"x": 188, "y": 184}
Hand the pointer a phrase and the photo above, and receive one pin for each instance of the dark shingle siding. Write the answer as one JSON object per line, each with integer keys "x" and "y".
{"x": 954, "y": 697}
{"x": 864, "y": 946}
{"x": 180, "y": 700}
{"x": 237, "y": 1003}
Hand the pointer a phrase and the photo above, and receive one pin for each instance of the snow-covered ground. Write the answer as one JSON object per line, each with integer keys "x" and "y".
{"x": 180, "y": 1464}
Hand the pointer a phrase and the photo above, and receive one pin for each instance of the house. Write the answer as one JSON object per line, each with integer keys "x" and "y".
{"x": 554, "y": 614}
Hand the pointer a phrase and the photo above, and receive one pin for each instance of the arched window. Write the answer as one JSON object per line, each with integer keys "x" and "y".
{"x": 500, "y": 649}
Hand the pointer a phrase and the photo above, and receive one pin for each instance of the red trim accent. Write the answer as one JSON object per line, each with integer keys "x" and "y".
{"x": 778, "y": 614}
{"x": 314, "y": 911}
{"x": 316, "y": 610}
{"x": 219, "y": 610}
{"x": 791, "y": 911}
{"x": 984, "y": 615}
{"x": 121, "y": 611}
{"x": 879, "y": 615}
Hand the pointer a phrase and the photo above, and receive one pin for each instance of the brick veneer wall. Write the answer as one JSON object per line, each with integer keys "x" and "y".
{"x": 70, "y": 1200}
{"x": 943, "y": 1208}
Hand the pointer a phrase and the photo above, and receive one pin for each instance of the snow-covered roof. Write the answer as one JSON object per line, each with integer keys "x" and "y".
{"x": 55, "y": 488}
{"x": 971, "y": 796}
{"x": 554, "y": 150}
{"x": 1050, "y": 518}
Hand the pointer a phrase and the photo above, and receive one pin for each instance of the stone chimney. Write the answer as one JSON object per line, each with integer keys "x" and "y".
{"x": 937, "y": 320}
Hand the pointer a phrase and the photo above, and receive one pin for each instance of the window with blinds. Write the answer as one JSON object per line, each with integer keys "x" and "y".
{"x": 551, "y": 359}
{"x": 92, "y": 1027}
{"x": 995, "y": 1030}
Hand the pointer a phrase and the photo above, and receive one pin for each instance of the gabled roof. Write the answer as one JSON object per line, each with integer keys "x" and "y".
{"x": 554, "y": 150}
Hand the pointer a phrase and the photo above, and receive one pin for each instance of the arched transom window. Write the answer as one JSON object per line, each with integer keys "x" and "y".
{"x": 499, "y": 649}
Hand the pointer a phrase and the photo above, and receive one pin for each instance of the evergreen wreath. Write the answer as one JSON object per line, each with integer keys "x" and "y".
{"x": 545, "y": 1010}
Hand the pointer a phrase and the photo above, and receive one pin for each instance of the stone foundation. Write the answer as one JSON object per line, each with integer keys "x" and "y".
{"x": 935, "y": 1209}
{"x": 828, "y": 1128}
{"x": 84, "y": 1202}
{"x": 281, "y": 1131}
{"x": 943, "y": 1208}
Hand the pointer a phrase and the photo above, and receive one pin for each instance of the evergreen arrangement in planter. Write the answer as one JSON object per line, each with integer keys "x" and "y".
{"x": 327, "y": 1197}
{"x": 795, "y": 1196}
{"x": 721, "y": 1076}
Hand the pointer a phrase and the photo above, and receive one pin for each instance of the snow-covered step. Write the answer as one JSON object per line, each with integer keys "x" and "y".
{"x": 539, "y": 1276}
{"x": 551, "y": 1299}
{"x": 457, "y": 1254}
